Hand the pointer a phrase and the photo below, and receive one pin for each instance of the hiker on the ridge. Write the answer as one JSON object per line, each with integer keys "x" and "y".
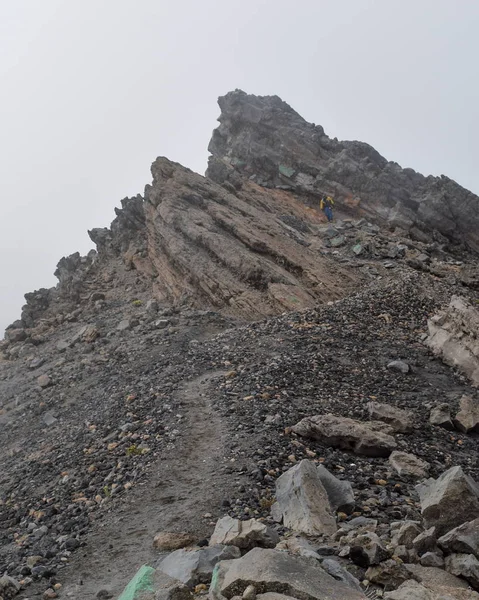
{"x": 326, "y": 205}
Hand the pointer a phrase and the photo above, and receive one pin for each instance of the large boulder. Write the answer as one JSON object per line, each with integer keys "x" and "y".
{"x": 341, "y": 432}
{"x": 196, "y": 565}
{"x": 303, "y": 500}
{"x": 400, "y": 420}
{"x": 276, "y": 571}
{"x": 454, "y": 335}
{"x": 463, "y": 539}
{"x": 243, "y": 534}
{"x": 464, "y": 565}
{"x": 449, "y": 501}
{"x": 340, "y": 492}
{"x": 467, "y": 419}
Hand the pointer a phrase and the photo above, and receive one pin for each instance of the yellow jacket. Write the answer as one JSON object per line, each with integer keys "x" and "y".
{"x": 323, "y": 203}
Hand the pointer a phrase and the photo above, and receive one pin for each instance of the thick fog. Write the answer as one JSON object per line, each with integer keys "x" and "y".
{"x": 93, "y": 91}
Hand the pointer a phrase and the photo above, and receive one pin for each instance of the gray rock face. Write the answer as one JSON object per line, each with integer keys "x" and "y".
{"x": 441, "y": 417}
{"x": 449, "y": 501}
{"x": 408, "y": 464}
{"x": 264, "y": 138}
{"x": 453, "y": 335}
{"x": 243, "y": 534}
{"x": 193, "y": 566}
{"x": 276, "y": 571}
{"x": 463, "y": 539}
{"x": 303, "y": 501}
{"x": 464, "y": 565}
{"x": 432, "y": 576}
{"x": 347, "y": 434}
{"x": 340, "y": 493}
{"x": 399, "y": 420}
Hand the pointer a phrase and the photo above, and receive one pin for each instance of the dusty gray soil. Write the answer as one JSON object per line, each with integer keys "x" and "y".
{"x": 185, "y": 484}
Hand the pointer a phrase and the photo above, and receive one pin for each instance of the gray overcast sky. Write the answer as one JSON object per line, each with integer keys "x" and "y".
{"x": 93, "y": 91}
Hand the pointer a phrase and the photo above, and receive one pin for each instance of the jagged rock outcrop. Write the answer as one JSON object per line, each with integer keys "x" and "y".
{"x": 264, "y": 139}
{"x": 226, "y": 250}
{"x": 453, "y": 335}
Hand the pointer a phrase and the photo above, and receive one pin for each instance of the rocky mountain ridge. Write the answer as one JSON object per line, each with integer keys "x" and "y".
{"x": 245, "y": 240}
{"x": 225, "y": 352}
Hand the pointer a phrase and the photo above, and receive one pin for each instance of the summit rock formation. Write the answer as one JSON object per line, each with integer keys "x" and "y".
{"x": 265, "y": 140}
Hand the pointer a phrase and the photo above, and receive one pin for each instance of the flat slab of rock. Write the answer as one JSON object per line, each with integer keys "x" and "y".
{"x": 408, "y": 464}
{"x": 340, "y": 493}
{"x": 277, "y": 571}
{"x": 193, "y": 566}
{"x": 303, "y": 501}
{"x": 346, "y": 434}
{"x": 243, "y": 534}
{"x": 400, "y": 420}
{"x": 432, "y": 576}
{"x": 467, "y": 419}
{"x": 412, "y": 590}
{"x": 463, "y": 539}
{"x": 449, "y": 501}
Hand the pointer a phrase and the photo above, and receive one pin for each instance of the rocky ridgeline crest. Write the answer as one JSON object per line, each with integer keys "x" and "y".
{"x": 246, "y": 240}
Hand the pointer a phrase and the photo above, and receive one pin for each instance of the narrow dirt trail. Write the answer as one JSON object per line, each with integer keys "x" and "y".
{"x": 183, "y": 486}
